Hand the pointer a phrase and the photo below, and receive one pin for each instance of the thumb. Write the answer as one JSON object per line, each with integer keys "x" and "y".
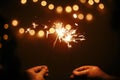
{"x": 43, "y": 71}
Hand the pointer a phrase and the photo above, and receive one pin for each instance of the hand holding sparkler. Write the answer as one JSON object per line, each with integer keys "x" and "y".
{"x": 91, "y": 72}
{"x": 37, "y": 73}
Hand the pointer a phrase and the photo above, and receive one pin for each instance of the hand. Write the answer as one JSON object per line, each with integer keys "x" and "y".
{"x": 37, "y": 73}
{"x": 91, "y": 72}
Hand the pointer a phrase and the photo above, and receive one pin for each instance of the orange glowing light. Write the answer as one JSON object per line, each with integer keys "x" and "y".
{"x": 41, "y": 33}
{"x": 90, "y": 2}
{"x": 75, "y": 7}
{"x": 50, "y": 6}
{"x": 21, "y": 30}
{"x": 32, "y": 32}
{"x": 6, "y": 26}
{"x": 101, "y": 6}
{"x": 5, "y": 37}
{"x": 43, "y": 3}
{"x": 35, "y": 1}
{"x": 52, "y": 30}
{"x": 23, "y": 1}
{"x": 89, "y": 17}
{"x": 15, "y": 22}
{"x": 59, "y": 9}
{"x": 96, "y": 1}
{"x": 80, "y": 16}
{"x": 68, "y": 9}
{"x": 75, "y": 16}
{"x": 83, "y": 1}
{"x": 68, "y": 26}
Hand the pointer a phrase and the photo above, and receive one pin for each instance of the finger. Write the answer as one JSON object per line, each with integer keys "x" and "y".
{"x": 43, "y": 71}
{"x": 82, "y": 68}
{"x": 80, "y": 73}
{"x": 34, "y": 69}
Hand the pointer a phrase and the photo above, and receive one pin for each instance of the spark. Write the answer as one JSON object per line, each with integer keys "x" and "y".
{"x": 45, "y": 26}
{"x": 28, "y": 29}
{"x": 34, "y": 25}
{"x": 66, "y": 35}
{"x": 76, "y": 24}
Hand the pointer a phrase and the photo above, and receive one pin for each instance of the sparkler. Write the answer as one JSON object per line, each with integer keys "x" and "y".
{"x": 66, "y": 35}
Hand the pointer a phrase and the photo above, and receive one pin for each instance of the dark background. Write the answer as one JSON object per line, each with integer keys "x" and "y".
{"x": 100, "y": 48}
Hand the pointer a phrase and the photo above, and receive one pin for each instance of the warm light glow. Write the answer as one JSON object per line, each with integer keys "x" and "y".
{"x": 14, "y": 22}
{"x": 90, "y": 2}
{"x": 28, "y": 29}
{"x": 75, "y": 16}
{"x": 83, "y": 1}
{"x": 5, "y": 37}
{"x": 0, "y": 45}
{"x": 68, "y": 27}
{"x": 51, "y": 6}
{"x": 101, "y": 6}
{"x": 35, "y": 1}
{"x": 21, "y": 30}
{"x": 51, "y": 30}
{"x": 66, "y": 34}
{"x": 96, "y": 1}
{"x": 80, "y": 16}
{"x": 41, "y": 33}
{"x": 59, "y": 9}
{"x": 89, "y": 17}
{"x": 34, "y": 25}
{"x": 76, "y": 24}
{"x": 43, "y": 3}
{"x": 23, "y": 1}
{"x": 68, "y": 9}
{"x": 6, "y": 26}
{"x": 32, "y": 32}
{"x": 75, "y": 7}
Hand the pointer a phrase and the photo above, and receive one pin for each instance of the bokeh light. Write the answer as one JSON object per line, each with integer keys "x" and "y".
{"x": 75, "y": 16}
{"x": 83, "y": 1}
{"x": 59, "y": 9}
{"x": 90, "y": 2}
{"x": 32, "y": 32}
{"x": 21, "y": 30}
{"x": 35, "y": 1}
{"x": 6, "y": 26}
{"x": 5, "y": 37}
{"x": 14, "y": 22}
{"x": 51, "y": 30}
{"x": 43, "y": 3}
{"x": 68, "y": 9}
{"x": 51, "y": 6}
{"x": 41, "y": 33}
{"x": 89, "y": 17}
{"x": 68, "y": 27}
{"x": 80, "y": 16}
{"x": 101, "y": 6}
{"x": 96, "y": 1}
{"x": 23, "y": 1}
{"x": 75, "y": 7}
